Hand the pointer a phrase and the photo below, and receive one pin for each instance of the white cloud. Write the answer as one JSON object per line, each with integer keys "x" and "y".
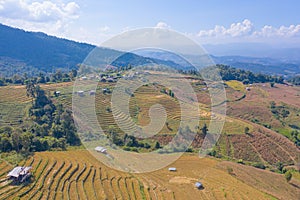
{"x": 282, "y": 31}
{"x": 246, "y": 30}
{"x": 105, "y": 29}
{"x": 162, "y": 25}
{"x": 37, "y": 11}
{"x": 235, "y": 30}
{"x": 47, "y": 16}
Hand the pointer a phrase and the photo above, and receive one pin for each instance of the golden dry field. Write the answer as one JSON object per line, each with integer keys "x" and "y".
{"x": 78, "y": 175}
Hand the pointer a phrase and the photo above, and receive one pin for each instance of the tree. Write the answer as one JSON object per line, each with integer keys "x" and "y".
{"x": 37, "y": 144}
{"x": 62, "y": 143}
{"x": 6, "y": 130}
{"x": 2, "y": 83}
{"x": 41, "y": 78}
{"x": 5, "y": 144}
{"x": 73, "y": 73}
{"x": 288, "y": 176}
{"x": 16, "y": 139}
{"x": 204, "y": 130}
{"x": 69, "y": 128}
{"x": 247, "y": 130}
{"x": 157, "y": 145}
{"x": 171, "y": 94}
{"x": 30, "y": 89}
{"x": 132, "y": 142}
{"x": 280, "y": 166}
{"x": 26, "y": 141}
{"x": 272, "y": 84}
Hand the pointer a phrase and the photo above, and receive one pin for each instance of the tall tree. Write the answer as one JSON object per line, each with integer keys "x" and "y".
{"x": 204, "y": 130}
{"x": 30, "y": 89}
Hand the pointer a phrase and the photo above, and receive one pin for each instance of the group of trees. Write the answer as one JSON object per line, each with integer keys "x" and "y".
{"x": 128, "y": 142}
{"x": 167, "y": 92}
{"x": 295, "y": 134}
{"x": 51, "y": 126}
{"x": 58, "y": 76}
{"x": 229, "y": 73}
{"x": 280, "y": 112}
{"x": 295, "y": 80}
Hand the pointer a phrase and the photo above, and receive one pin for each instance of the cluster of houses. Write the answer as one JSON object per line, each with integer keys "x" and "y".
{"x": 113, "y": 77}
{"x": 19, "y": 174}
{"x": 103, "y": 77}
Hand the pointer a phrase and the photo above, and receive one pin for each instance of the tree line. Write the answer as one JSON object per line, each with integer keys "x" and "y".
{"x": 295, "y": 80}
{"x": 247, "y": 77}
{"x": 42, "y": 78}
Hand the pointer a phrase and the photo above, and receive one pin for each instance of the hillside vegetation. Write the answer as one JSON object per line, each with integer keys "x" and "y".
{"x": 244, "y": 113}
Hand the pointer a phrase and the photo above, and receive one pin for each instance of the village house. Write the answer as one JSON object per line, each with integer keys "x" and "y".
{"x": 101, "y": 150}
{"x": 19, "y": 174}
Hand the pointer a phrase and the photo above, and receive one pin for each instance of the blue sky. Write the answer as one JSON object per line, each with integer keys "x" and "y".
{"x": 212, "y": 22}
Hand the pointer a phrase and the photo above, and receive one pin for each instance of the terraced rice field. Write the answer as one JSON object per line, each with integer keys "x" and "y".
{"x": 139, "y": 110}
{"x": 13, "y": 105}
{"x": 78, "y": 175}
{"x": 73, "y": 175}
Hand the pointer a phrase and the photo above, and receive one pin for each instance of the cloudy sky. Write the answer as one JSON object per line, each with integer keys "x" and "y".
{"x": 208, "y": 22}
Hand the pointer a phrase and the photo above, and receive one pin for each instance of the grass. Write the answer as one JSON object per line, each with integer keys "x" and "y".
{"x": 236, "y": 85}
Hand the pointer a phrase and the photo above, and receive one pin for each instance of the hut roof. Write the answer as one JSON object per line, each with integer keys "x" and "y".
{"x": 100, "y": 149}
{"x": 19, "y": 171}
{"x": 198, "y": 185}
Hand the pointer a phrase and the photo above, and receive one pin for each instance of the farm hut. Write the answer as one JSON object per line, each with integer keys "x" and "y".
{"x": 19, "y": 174}
{"x": 91, "y": 77}
{"x": 84, "y": 78}
{"x": 110, "y": 80}
{"x": 199, "y": 185}
{"x": 92, "y": 92}
{"x": 80, "y": 93}
{"x": 105, "y": 90}
{"x": 110, "y": 68}
{"x": 57, "y": 93}
{"x": 172, "y": 169}
{"x": 101, "y": 149}
{"x": 103, "y": 79}
{"x": 248, "y": 88}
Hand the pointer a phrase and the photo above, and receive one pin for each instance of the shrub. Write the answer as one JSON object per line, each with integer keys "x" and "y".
{"x": 240, "y": 161}
{"x": 259, "y": 165}
{"x": 212, "y": 153}
{"x": 288, "y": 176}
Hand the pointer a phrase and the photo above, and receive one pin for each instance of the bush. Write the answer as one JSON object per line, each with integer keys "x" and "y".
{"x": 240, "y": 161}
{"x": 147, "y": 146}
{"x": 259, "y": 165}
{"x": 212, "y": 153}
{"x": 288, "y": 176}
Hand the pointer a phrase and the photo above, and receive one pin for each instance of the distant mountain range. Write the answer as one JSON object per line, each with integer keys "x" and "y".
{"x": 34, "y": 52}
{"x": 260, "y": 65}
